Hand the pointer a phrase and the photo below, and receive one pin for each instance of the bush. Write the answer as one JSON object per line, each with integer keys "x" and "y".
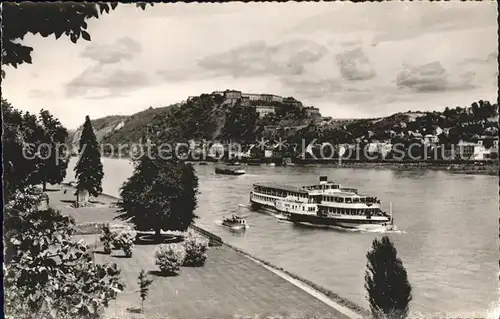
{"x": 125, "y": 240}
{"x": 107, "y": 237}
{"x": 196, "y": 248}
{"x": 48, "y": 275}
{"x": 169, "y": 258}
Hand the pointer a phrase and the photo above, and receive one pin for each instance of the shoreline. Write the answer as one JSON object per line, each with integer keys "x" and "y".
{"x": 465, "y": 168}
{"x": 340, "y": 303}
{"x": 358, "y": 310}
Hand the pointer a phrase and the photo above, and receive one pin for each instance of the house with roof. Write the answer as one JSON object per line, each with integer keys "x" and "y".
{"x": 471, "y": 151}
{"x": 312, "y": 111}
{"x": 264, "y": 110}
{"x": 430, "y": 139}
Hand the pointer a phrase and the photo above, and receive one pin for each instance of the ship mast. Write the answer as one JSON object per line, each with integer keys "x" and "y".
{"x": 390, "y": 212}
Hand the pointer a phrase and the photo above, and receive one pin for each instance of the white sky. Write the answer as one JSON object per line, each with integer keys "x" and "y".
{"x": 348, "y": 59}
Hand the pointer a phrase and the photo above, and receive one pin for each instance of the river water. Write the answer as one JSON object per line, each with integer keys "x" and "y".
{"x": 447, "y": 240}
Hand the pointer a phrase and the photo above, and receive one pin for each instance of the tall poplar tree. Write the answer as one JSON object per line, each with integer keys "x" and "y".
{"x": 386, "y": 282}
{"x": 89, "y": 171}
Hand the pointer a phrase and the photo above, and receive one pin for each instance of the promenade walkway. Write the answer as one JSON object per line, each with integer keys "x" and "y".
{"x": 229, "y": 285}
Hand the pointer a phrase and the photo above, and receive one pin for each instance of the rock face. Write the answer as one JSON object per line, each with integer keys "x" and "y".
{"x": 102, "y": 127}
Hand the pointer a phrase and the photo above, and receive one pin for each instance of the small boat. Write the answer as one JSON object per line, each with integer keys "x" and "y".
{"x": 235, "y": 222}
{"x": 229, "y": 171}
{"x": 202, "y": 163}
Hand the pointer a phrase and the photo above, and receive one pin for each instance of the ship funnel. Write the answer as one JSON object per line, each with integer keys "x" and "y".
{"x": 323, "y": 179}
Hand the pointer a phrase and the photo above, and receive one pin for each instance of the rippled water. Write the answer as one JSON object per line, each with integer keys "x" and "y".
{"x": 448, "y": 239}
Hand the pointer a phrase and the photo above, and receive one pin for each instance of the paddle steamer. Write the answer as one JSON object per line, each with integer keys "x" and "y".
{"x": 323, "y": 204}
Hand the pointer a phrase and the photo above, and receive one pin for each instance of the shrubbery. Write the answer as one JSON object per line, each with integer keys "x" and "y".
{"x": 125, "y": 240}
{"x": 169, "y": 258}
{"x": 196, "y": 248}
{"x": 47, "y": 274}
{"x": 122, "y": 239}
{"x": 106, "y": 238}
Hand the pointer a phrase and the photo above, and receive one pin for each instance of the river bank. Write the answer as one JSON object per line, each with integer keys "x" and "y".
{"x": 469, "y": 168}
{"x": 460, "y": 168}
{"x": 253, "y": 269}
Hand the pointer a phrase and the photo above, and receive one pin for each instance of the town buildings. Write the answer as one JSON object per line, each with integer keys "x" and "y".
{"x": 264, "y": 110}
{"x": 312, "y": 111}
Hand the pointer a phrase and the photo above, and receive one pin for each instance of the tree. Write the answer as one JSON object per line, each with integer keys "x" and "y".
{"x": 386, "y": 282}
{"x": 69, "y": 18}
{"x": 53, "y": 157}
{"x": 89, "y": 171}
{"x": 160, "y": 195}
{"x": 144, "y": 283}
{"x": 47, "y": 274}
{"x": 21, "y": 137}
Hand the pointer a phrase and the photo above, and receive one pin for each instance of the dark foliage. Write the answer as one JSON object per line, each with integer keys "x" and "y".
{"x": 160, "y": 195}
{"x": 240, "y": 124}
{"x": 47, "y": 274}
{"x": 386, "y": 282}
{"x": 46, "y": 18}
{"x": 36, "y": 152}
{"x": 89, "y": 170}
{"x": 54, "y": 155}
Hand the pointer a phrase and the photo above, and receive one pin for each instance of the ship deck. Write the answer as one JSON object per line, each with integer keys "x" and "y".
{"x": 282, "y": 187}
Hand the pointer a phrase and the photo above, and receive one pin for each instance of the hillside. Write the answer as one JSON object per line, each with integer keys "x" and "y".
{"x": 117, "y": 129}
{"x": 228, "y": 116}
{"x": 102, "y": 127}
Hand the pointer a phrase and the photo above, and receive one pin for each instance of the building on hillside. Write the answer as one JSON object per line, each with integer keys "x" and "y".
{"x": 251, "y": 96}
{"x": 292, "y": 101}
{"x": 312, "y": 111}
{"x": 430, "y": 139}
{"x": 264, "y": 110}
{"x": 269, "y": 98}
{"x": 382, "y": 148}
{"x": 438, "y": 131}
{"x": 277, "y": 98}
{"x": 415, "y": 135}
{"x": 232, "y": 94}
{"x": 216, "y": 150}
{"x": 245, "y": 101}
{"x": 471, "y": 151}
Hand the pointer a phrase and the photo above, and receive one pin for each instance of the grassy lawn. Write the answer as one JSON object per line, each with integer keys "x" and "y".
{"x": 229, "y": 285}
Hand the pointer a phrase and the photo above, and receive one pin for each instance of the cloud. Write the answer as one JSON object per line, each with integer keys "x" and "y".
{"x": 123, "y": 49}
{"x": 259, "y": 59}
{"x": 311, "y": 89}
{"x": 105, "y": 80}
{"x": 355, "y": 66}
{"x": 37, "y": 93}
{"x": 433, "y": 77}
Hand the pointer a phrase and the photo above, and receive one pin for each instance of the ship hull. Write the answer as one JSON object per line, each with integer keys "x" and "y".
{"x": 228, "y": 172}
{"x": 314, "y": 220}
{"x": 234, "y": 225}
